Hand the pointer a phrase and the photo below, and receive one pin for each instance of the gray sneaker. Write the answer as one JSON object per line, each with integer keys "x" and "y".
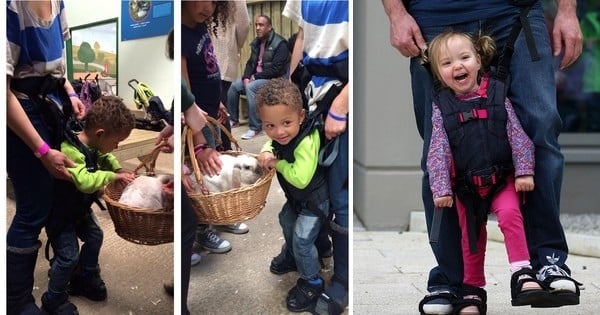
{"x": 210, "y": 241}
{"x": 238, "y": 228}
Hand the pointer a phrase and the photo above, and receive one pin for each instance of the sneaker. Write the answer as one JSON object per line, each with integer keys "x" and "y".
{"x": 251, "y": 134}
{"x": 196, "y": 258}
{"x": 560, "y": 280}
{"x": 89, "y": 284}
{"x": 238, "y": 228}
{"x": 210, "y": 241}
{"x": 437, "y": 302}
{"x": 58, "y": 305}
{"x": 234, "y": 124}
{"x": 283, "y": 263}
{"x": 304, "y": 295}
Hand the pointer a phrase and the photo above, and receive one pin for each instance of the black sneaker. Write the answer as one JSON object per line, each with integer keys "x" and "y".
{"x": 210, "y": 241}
{"x": 303, "y": 296}
{"x": 89, "y": 285}
{"x": 283, "y": 263}
{"x": 59, "y": 305}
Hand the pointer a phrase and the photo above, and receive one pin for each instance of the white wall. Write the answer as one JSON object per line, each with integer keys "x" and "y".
{"x": 387, "y": 147}
{"x": 142, "y": 59}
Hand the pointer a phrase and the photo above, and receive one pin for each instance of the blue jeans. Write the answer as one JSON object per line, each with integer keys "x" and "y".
{"x": 233, "y": 100}
{"x": 29, "y": 178}
{"x": 533, "y": 94}
{"x": 338, "y": 194}
{"x": 67, "y": 256}
{"x": 301, "y": 230}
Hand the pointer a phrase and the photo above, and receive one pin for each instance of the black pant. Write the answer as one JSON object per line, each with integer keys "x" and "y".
{"x": 189, "y": 221}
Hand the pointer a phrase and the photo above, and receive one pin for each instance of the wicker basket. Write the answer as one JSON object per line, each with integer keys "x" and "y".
{"x": 232, "y": 206}
{"x": 139, "y": 225}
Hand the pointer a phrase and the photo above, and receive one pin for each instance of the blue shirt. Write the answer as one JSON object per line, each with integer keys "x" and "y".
{"x": 35, "y": 46}
{"x": 428, "y": 13}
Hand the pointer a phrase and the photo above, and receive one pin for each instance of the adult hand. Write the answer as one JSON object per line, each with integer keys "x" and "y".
{"x": 165, "y": 136}
{"x": 223, "y": 115}
{"x": 78, "y": 107}
{"x": 566, "y": 37}
{"x": 339, "y": 108}
{"x": 209, "y": 162}
{"x": 405, "y": 34}
{"x": 56, "y": 163}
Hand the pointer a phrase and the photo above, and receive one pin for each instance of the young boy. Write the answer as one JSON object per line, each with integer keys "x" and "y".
{"x": 107, "y": 123}
{"x": 293, "y": 151}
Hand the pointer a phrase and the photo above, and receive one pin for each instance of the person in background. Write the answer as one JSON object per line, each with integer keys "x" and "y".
{"x": 269, "y": 58}
{"x": 38, "y": 98}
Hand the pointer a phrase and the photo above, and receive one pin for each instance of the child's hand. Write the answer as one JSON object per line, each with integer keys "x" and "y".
{"x": 267, "y": 160}
{"x": 125, "y": 177}
{"x": 524, "y": 183}
{"x": 443, "y": 202}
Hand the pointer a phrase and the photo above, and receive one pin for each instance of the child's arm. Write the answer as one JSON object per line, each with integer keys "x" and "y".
{"x": 439, "y": 160}
{"x": 522, "y": 147}
{"x": 85, "y": 181}
{"x": 300, "y": 173}
{"x": 266, "y": 159}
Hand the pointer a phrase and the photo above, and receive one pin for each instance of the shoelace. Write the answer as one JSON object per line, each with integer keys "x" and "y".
{"x": 552, "y": 270}
{"x": 213, "y": 237}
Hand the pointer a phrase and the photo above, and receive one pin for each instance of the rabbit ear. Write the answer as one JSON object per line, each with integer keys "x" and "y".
{"x": 236, "y": 177}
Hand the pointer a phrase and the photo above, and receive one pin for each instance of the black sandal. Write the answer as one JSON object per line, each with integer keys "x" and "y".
{"x": 558, "y": 298}
{"x": 480, "y": 302}
{"x": 446, "y": 294}
{"x": 520, "y": 297}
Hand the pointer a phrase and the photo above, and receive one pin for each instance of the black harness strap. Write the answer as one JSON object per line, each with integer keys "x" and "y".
{"x": 501, "y": 74}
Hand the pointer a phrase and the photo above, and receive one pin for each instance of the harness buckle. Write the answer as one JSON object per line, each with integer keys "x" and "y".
{"x": 484, "y": 180}
{"x": 472, "y": 114}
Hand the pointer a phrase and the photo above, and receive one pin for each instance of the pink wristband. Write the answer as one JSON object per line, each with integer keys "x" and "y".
{"x": 42, "y": 150}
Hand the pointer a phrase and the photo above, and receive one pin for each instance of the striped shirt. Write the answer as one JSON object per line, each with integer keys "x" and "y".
{"x": 35, "y": 47}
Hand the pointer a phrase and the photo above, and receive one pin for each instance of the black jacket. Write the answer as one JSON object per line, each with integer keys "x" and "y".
{"x": 276, "y": 58}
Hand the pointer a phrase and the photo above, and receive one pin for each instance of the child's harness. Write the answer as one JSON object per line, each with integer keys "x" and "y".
{"x": 328, "y": 152}
{"x": 477, "y": 132}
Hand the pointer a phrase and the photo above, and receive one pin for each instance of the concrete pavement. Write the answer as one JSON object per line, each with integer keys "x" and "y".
{"x": 391, "y": 270}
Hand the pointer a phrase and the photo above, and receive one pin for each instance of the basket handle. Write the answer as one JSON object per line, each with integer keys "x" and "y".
{"x": 224, "y": 130}
{"x": 187, "y": 141}
{"x": 148, "y": 161}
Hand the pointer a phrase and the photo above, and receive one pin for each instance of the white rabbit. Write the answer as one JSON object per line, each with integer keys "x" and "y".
{"x": 237, "y": 171}
{"x": 147, "y": 192}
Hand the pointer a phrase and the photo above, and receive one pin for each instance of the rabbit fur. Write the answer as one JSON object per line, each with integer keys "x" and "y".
{"x": 236, "y": 171}
{"x": 147, "y": 192}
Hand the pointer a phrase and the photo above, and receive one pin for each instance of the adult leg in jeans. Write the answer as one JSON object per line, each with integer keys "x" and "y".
{"x": 337, "y": 292}
{"x": 189, "y": 222}
{"x": 251, "y": 89}
{"x": 30, "y": 216}
{"x": 448, "y": 274}
{"x": 233, "y": 99}
{"x": 534, "y": 101}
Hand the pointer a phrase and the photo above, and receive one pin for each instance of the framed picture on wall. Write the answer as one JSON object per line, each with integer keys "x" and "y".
{"x": 92, "y": 55}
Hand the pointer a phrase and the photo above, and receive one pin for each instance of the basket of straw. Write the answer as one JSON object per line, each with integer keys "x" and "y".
{"x": 145, "y": 226}
{"x": 226, "y": 207}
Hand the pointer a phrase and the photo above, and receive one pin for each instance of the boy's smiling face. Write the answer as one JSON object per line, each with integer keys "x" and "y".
{"x": 281, "y": 122}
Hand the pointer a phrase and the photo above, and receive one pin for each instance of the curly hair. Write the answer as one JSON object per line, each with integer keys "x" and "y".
{"x": 220, "y": 18}
{"x": 110, "y": 114}
{"x": 483, "y": 45}
{"x": 279, "y": 92}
